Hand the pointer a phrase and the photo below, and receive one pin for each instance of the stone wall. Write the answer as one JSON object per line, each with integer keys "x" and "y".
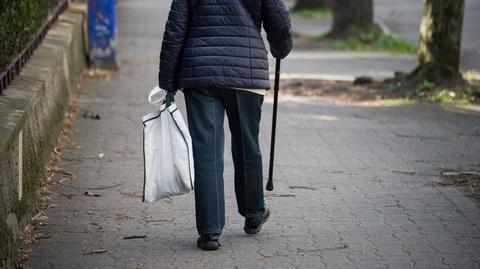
{"x": 31, "y": 115}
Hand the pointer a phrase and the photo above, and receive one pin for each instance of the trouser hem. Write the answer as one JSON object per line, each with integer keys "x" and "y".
{"x": 248, "y": 215}
{"x": 209, "y": 231}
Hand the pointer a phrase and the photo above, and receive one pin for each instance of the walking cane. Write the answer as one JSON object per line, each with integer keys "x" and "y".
{"x": 276, "y": 88}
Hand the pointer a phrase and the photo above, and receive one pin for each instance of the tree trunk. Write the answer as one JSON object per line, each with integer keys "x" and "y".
{"x": 440, "y": 40}
{"x": 351, "y": 17}
{"x": 309, "y": 4}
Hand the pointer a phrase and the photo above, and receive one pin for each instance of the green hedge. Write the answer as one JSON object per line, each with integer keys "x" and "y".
{"x": 19, "y": 21}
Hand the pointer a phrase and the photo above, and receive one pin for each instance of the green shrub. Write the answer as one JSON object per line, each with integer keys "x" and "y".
{"x": 312, "y": 12}
{"x": 382, "y": 42}
{"x": 19, "y": 21}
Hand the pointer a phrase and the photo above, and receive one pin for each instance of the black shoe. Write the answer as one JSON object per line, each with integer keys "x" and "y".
{"x": 208, "y": 241}
{"x": 253, "y": 225}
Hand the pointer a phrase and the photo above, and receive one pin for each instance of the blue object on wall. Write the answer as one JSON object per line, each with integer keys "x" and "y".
{"x": 102, "y": 32}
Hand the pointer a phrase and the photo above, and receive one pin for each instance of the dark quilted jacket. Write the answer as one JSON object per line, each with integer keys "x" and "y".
{"x": 218, "y": 43}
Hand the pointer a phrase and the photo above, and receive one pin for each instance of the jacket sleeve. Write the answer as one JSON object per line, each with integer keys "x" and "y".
{"x": 277, "y": 25}
{"x": 173, "y": 39}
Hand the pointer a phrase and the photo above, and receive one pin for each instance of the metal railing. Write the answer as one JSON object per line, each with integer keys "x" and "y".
{"x": 13, "y": 68}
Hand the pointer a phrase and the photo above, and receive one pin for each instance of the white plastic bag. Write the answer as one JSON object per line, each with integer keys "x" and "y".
{"x": 168, "y": 156}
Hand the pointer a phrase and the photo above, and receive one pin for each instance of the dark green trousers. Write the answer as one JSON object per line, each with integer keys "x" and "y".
{"x": 205, "y": 110}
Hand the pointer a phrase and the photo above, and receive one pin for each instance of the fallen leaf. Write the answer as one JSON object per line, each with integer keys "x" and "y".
{"x": 159, "y": 220}
{"x": 91, "y": 115}
{"x": 95, "y": 251}
{"x": 66, "y": 173}
{"x": 404, "y": 172}
{"x": 283, "y": 195}
{"x": 340, "y": 247}
{"x": 303, "y": 188}
{"x": 455, "y": 174}
{"x": 130, "y": 194}
{"x": 64, "y": 179}
{"x": 41, "y": 236}
{"x": 69, "y": 195}
{"x": 87, "y": 193}
{"x": 135, "y": 237}
{"x": 39, "y": 216}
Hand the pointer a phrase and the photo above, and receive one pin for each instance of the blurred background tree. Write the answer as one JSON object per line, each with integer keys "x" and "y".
{"x": 352, "y": 26}
{"x": 353, "y": 18}
{"x": 310, "y": 4}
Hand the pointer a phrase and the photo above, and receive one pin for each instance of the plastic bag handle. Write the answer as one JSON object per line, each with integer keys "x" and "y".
{"x": 155, "y": 91}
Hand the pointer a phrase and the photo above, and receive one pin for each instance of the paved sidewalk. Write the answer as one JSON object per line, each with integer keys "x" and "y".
{"x": 343, "y": 66}
{"x": 350, "y": 182}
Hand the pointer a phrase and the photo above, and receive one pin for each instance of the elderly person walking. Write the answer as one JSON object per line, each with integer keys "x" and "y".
{"x": 213, "y": 51}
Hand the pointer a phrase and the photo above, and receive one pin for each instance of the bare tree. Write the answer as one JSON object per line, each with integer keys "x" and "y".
{"x": 440, "y": 40}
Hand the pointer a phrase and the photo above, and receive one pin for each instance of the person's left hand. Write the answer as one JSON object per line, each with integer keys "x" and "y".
{"x": 170, "y": 97}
